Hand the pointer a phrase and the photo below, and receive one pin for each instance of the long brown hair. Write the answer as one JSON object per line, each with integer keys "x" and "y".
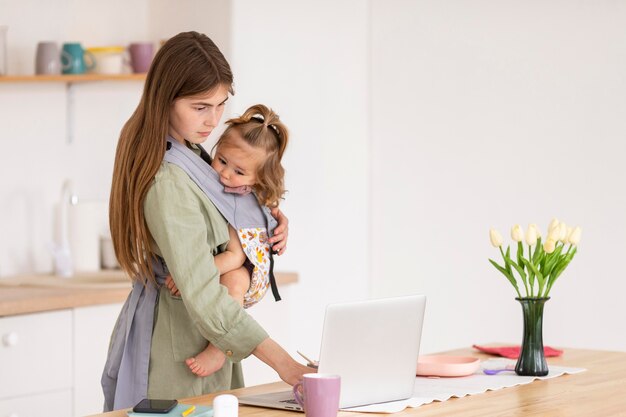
{"x": 260, "y": 127}
{"x": 186, "y": 65}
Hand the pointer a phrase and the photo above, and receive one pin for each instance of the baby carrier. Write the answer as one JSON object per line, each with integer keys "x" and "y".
{"x": 254, "y": 223}
{"x": 125, "y": 376}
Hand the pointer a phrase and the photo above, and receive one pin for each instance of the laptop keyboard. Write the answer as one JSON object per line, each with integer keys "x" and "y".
{"x": 290, "y": 401}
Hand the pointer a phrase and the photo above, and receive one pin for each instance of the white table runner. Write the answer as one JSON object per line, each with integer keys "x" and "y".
{"x": 428, "y": 390}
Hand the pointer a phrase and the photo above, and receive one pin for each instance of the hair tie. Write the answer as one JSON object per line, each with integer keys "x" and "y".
{"x": 275, "y": 129}
{"x": 259, "y": 119}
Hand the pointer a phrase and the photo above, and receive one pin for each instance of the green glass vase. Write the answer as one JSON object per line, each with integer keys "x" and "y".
{"x": 532, "y": 359}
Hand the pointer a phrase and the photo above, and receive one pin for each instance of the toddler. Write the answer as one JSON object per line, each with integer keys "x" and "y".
{"x": 248, "y": 159}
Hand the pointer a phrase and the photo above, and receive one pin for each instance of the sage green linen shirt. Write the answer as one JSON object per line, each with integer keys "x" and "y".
{"x": 187, "y": 231}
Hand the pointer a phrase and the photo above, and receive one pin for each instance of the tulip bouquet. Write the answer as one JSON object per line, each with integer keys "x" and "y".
{"x": 541, "y": 264}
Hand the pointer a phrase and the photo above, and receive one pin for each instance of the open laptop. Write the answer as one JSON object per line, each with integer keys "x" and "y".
{"x": 373, "y": 345}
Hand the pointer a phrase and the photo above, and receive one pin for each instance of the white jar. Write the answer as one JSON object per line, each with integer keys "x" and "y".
{"x": 107, "y": 59}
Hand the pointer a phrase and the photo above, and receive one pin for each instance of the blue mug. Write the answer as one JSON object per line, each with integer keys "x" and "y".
{"x": 73, "y": 59}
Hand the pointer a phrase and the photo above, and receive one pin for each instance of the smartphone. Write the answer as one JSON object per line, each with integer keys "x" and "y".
{"x": 154, "y": 406}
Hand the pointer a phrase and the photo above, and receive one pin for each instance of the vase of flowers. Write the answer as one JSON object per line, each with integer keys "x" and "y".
{"x": 535, "y": 269}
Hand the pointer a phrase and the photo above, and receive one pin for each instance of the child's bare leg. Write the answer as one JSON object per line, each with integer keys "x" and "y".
{"x": 237, "y": 282}
{"x": 233, "y": 257}
{"x": 212, "y": 359}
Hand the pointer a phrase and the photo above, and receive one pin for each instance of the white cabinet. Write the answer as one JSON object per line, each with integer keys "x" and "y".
{"x": 53, "y": 361}
{"x": 36, "y": 353}
{"x": 92, "y": 331}
{"x": 51, "y": 404}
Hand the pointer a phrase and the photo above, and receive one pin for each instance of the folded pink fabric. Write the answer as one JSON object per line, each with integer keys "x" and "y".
{"x": 512, "y": 352}
{"x": 243, "y": 189}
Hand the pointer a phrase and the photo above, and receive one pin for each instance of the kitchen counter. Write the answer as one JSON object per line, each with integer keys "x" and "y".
{"x": 24, "y": 300}
{"x": 37, "y": 293}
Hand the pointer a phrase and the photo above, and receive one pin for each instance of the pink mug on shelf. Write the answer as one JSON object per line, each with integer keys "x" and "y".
{"x": 320, "y": 396}
{"x": 141, "y": 54}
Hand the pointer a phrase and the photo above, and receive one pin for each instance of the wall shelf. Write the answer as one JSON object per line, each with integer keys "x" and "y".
{"x": 71, "y": 78}
{"x": 69, "y": 81}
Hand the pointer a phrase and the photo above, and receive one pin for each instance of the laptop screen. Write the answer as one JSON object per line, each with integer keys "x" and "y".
{"x": 374, "y": 346}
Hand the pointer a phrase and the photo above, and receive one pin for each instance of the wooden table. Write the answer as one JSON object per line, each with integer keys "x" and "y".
{"x": 600, "y": 391}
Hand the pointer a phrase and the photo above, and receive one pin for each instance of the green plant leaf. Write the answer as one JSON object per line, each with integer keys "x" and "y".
{"x": 553, "y": 259}
{"x": 572, "y": 253}
{"x": 555, "y": 274}
{"x": 518, "y": 268}
{"x": 508, "y": 265}
{"x": 562, "y": 263}
{"x": 538, "y": 262}
{"x": 531, "y": 273}
{"x": 508, "y": 276}
{"x": 520, "y": 254}
{"x": 521, "y": 272}
{"x": 538, "y": 252}
{"x": 536, "y": 272}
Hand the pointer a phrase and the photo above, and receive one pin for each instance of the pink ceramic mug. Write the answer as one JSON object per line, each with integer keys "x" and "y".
{"x": 321, "y": 394}
{"x": 141, "y": 54}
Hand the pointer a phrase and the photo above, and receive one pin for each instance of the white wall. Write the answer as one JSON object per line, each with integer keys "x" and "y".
{"x": 213, "y": 18}
{"x": 308, "y": 61}
{"x": 469, "y": 115}
{"x": 486, "y": 114}
{"x": 36, "y": 156}
{"x": 284, "y": 62}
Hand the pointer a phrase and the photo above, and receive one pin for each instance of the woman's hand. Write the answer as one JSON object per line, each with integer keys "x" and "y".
{"x": 275, "y": 356}
{"x": 169, "y": 283}
{"x": 293, "y": 374}
{"x": 279, "y": 240}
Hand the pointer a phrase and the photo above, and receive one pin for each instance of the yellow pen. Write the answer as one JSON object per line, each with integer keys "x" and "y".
{"x": 188, "y": 411}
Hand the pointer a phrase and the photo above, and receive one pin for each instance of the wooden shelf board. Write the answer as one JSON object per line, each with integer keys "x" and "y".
{"x": 71, "y": 78}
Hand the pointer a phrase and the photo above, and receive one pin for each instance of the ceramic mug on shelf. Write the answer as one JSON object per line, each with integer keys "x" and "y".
{"x": 141, "y": 54}
{"x": 47, "y": 59}
{"x": 107, "y": 59}
{"x": 320, "y": 397}
{"x": 73, "y": 59}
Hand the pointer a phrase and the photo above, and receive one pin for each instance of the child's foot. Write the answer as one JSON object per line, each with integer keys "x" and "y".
{"x": 207, "y": 362}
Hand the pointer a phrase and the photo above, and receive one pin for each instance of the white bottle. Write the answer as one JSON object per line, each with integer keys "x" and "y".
{"x": 63, "y": 264}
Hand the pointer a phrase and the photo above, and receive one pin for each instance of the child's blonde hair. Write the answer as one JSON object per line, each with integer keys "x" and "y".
{"x": 261, "y": 128}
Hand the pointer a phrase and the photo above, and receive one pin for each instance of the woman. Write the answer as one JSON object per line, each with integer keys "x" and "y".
{"x": 162, "y": 224}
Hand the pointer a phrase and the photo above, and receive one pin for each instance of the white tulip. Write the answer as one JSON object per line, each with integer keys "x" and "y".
{"x": 555, "y": 222}
{"x": 574, "y": 237}
{"x": 531, "y": 235}
{"x": 496, "y": 238}
{"x": 563, "y": 232}
{"x": 534, "y": 226}
{"x": 517, "y": 234}
{"x": 549, "y": 245}
{"x": 554, "y": 232}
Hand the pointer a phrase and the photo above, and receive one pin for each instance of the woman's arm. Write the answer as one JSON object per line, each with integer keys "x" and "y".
{"x": 229, "y": 260}
{"x": 276, "y": 357}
